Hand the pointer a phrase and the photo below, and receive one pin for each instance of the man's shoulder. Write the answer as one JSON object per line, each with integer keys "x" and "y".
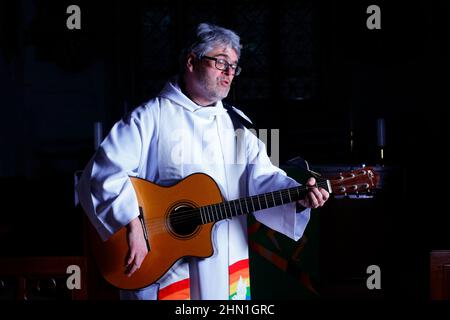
{"x": 147, "y": 109}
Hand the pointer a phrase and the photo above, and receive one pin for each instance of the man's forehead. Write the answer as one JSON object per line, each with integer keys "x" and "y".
{"x": 226, "y": 52}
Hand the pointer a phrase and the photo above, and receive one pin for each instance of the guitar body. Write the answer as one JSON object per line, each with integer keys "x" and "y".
{"x": 161, "y": 209}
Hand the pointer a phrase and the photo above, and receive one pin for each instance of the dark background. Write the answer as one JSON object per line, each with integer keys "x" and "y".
{"x": 311, "y": 69}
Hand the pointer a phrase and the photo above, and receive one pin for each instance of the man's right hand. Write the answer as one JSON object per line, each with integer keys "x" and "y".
{"x": 137, "y": 246}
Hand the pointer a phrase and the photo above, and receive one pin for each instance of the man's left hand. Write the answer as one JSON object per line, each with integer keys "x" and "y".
{"x": 316, "y": 197}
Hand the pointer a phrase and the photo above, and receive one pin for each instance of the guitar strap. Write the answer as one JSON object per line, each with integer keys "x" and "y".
{"x": 239, "y": 122}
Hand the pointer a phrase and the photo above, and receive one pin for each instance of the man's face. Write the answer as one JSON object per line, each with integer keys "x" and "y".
{"x": 213, "y": 84}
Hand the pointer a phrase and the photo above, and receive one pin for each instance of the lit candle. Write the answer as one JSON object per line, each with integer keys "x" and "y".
{"x": 381, "y": 133}
{"x": 98, "y": 134}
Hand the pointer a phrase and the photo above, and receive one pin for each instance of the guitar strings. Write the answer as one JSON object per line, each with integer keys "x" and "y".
{"x": 158, "y": 224}
{"x": 188, "y": 215}
{"x": 195, "y": 212}
{"x": 278, "y": 195}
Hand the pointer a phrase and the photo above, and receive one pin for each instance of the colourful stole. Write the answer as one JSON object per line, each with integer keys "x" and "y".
{"x": 239, "y": 284}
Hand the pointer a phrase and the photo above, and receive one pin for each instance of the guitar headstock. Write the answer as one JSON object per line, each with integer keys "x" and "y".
{"x": 354, "y": 182}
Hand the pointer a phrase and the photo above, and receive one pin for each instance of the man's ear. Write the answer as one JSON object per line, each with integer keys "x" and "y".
{"x": 190, "y": 62}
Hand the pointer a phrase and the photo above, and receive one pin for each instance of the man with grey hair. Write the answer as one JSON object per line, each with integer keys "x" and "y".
{"x": 185, "y": 130}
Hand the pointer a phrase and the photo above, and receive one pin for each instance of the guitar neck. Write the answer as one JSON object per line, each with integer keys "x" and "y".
{"x": 234, "y": 208}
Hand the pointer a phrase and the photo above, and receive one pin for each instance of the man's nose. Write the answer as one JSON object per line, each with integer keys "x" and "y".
{"x": 228, "y": 71}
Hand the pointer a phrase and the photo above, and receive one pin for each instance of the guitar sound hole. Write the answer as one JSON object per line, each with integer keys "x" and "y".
{"x": 183, "y": 222}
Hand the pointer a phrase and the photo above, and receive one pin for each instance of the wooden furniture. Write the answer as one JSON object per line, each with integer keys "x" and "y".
{"x": 45, "y": 277}
{"x": 440, "y": 275}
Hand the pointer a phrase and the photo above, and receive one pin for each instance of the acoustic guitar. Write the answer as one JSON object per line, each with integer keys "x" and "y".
{"x": 178, "y": 220}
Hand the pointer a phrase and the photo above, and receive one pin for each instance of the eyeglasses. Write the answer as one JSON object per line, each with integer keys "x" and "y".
{"x": 222, "y": 64}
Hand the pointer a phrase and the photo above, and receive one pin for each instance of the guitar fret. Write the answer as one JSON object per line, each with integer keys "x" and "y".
{"x": 209, "y": 213}
{"x": 215, "y": 209}
{"x": 212, "y": 213}
{"x": 235, "y": 208}
{"x": 246, "y": 205}
{"x": 207, "y": 218}
{"x": 240, "y": 204}
{"x": 274, "y": 202}
{"x": 220, "y": 208}
{"x": 225, "y": 208}
{"x": 229, "y": 205}
{"x": 289, "y": 194}
{"x": 259, "y": 203}
{"x": 210, "y": 210}
{"x": 281, "y": 196}
{"x": 201, "y": 215}
{"x": 232, "y": 211}
{"x": 267, "y": 202}
{"x": 253, "y": 205}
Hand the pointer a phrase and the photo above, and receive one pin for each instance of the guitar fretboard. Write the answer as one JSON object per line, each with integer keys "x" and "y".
{"x": 234, "y": 208}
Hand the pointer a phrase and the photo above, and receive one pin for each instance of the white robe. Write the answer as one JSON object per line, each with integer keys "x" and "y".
{"x": 167, "y": 139}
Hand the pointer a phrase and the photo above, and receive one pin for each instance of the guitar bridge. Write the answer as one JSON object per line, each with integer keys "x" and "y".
{"x": 144, "y": 229}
